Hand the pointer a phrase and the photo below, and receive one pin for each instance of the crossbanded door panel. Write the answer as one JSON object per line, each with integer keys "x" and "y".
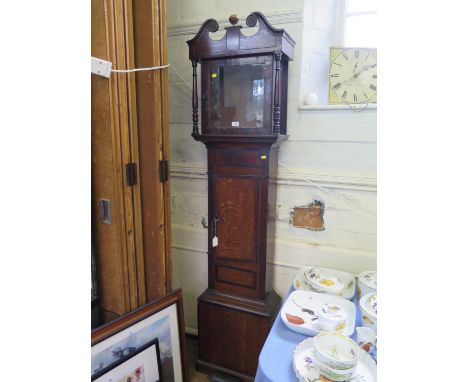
{"x": 236, "y": 201}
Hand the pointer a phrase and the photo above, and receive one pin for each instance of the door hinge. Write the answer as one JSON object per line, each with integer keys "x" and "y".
{"x": 131, "y": 169}
{"x": 163, "y": 170}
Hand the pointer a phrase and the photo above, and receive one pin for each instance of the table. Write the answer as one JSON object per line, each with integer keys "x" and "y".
{"x": 275, "y": 361}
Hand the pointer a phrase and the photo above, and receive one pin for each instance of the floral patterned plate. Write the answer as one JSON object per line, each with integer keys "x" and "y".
{"x": 303, "y": 364}
{"x": 300, "y": 312}
{"x": 346, "y": 279}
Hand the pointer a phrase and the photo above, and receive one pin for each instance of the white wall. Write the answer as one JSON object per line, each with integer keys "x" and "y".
{"x": 335, "y": 149}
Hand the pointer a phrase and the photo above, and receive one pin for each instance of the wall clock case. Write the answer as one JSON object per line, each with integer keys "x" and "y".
{"x": 243, "y": 122}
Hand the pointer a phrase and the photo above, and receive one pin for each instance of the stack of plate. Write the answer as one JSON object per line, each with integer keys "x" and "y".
{"x": 335, "y": 356}
{"x": 326, "y": 281}
{"x": 368, "y": 305}
{"x": 306, "y": 370}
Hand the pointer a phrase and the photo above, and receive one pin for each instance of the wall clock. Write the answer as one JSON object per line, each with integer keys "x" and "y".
{"x": 352, "y": 76}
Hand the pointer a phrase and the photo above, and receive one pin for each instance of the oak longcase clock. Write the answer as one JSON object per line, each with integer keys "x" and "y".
{"x": 242, "y": 104}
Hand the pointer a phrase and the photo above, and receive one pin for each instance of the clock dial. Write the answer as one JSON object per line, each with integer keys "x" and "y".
{"x": 353, "y": 76}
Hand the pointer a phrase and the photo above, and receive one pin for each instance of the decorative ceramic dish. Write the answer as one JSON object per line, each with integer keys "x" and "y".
{"x": 300, "y": 312}
{"x": 367, "y": 283}
{"x": 347, "y": 280}
{"x": 335, "y": 355}
{"x": 332, "y": 317}
{"x": 370, "y": 303}
{"x": 320, "y": 279}
{"x": 368, "y": 306}
{"x": 336, "y": 348}
{"x": 366, "y": 339}
{"x": 304, "y": 360}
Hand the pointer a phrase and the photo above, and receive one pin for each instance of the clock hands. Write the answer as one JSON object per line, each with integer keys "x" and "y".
{"x": 364, "y": 68}
{"x": 356, "y": 75}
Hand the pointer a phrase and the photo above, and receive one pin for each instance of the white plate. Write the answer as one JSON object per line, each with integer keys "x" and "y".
{"x": 300, "y": 282}
{"x": 303, "y": 364}
{"x": 300, "y": 310}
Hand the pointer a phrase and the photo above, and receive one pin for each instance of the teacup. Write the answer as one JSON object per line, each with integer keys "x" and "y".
{"x": 366, "y": 338}
{"x": 331, "y": 317}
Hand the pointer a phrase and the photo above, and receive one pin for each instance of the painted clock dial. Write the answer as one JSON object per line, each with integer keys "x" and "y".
{"x": 353, "y": 75}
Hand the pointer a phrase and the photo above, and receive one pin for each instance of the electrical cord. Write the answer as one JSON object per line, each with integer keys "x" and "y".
{"x": 139, "y": 69}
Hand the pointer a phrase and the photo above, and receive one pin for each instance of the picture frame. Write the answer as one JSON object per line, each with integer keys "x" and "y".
{"x": 143, "y": 365}
{"x": 163, "y": 319}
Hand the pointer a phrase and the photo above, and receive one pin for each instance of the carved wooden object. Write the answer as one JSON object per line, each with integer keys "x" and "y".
{"x": 243, "y": 109}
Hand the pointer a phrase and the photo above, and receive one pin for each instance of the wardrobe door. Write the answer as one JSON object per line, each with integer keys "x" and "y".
{"x": 130, "y": 187}
{"x": 108, "y": 182}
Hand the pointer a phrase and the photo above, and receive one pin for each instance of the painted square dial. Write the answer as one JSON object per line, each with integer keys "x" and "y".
{"x": 352, "y": 76}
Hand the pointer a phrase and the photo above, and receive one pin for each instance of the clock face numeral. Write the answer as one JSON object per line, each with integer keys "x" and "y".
{"x": 353, "y": 75}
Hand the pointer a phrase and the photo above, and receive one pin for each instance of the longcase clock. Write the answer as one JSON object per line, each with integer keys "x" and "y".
{"x": 243, "y": 121}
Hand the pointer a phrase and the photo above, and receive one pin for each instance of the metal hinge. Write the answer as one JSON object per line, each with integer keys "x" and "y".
{"x": 163, "y": 170}
{"x": 131, "y": 169}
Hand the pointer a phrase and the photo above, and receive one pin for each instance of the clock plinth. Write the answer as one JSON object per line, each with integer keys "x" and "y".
{"x": 232, "y": 331}
{"x": 243, "y": 108}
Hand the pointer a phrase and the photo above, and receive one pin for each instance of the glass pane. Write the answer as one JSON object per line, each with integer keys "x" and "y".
{"x": 237, "y": 96}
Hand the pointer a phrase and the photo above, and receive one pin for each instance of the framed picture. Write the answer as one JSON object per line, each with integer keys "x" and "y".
{"x": 162, "y": 319}
{"x": 144, "y": 365}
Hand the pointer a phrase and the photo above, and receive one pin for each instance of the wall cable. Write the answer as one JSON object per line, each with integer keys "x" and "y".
{"x": 139, "y": 69}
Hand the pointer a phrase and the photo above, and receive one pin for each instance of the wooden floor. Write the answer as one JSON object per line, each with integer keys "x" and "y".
{"x": 192, "y": 353}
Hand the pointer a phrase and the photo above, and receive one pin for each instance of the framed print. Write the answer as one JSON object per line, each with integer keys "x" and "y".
{"x": 162, "y": 319}
{"x": 144, "y": 365}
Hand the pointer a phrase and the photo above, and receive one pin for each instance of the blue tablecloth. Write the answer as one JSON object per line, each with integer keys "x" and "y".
{"x": 275, "y": 363}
